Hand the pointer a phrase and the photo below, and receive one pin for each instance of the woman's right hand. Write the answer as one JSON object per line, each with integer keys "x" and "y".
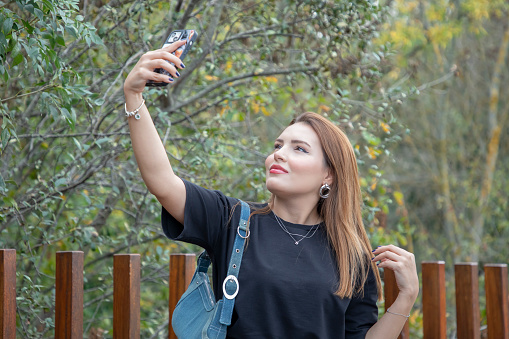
{"x": 144, "y": 68}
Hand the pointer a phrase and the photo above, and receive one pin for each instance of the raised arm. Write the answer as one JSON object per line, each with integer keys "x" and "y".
{"x": 148, "y": 148}
{"x": 403, "y": 265}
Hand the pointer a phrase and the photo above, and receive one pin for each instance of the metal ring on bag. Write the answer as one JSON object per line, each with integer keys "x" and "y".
{"x": 247, "y": 234}
{"x": 230, "y": 296}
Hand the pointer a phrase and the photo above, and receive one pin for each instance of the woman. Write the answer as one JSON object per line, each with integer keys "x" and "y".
{"x": 308, "y": 271}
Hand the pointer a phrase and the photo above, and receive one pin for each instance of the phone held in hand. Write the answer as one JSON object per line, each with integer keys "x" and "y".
{"x": 181, "y": 34}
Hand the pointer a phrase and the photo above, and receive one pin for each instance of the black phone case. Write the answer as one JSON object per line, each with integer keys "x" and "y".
{"x": 181, "y": 34}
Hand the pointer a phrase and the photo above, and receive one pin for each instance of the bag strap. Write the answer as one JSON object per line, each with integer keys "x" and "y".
{"x": 231, "y": 283}
{"x": 203, "y": 262}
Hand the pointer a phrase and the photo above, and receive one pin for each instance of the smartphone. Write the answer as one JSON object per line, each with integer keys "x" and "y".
{"x": 181, "y": 34}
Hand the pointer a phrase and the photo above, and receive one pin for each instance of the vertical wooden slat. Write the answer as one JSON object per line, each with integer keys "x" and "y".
{"x": 433, "y": 300}
{"x": 391, "y": 293}
{"x": 126, "y": 296}
{"x": 69, "y": 295}
{"x": 182, "y": 267}
{"x": 8, "y": 294}
{"x": 497, "y": 301}
{"x": 468, "y": 318}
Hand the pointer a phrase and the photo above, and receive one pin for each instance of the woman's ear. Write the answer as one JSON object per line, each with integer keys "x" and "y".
{"x": 329, "y": 178}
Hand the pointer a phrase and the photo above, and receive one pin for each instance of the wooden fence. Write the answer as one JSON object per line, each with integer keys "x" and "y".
{"x": 126, "y": 296}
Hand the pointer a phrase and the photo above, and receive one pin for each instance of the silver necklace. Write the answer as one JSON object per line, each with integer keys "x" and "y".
{"x": 302, "y": 237}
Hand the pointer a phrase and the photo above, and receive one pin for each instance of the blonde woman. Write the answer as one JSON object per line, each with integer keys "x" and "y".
{"x": 309, "y": 270}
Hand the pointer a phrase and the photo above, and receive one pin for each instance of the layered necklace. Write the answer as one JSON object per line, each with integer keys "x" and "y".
{"x": 300, "y": 237}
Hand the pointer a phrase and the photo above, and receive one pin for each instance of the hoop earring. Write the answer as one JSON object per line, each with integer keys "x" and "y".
{"x": 324, "y": 191}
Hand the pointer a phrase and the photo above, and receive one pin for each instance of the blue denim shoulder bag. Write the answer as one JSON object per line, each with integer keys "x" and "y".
{"x": 197, "y": 315}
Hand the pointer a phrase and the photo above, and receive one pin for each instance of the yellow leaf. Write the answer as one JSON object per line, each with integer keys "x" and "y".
{"x": 264, "y": 111}
{"x": 223, "y": 110}
{"x": 228, "y": 66}
{"x": 211, "y": 77}
{"x": 398, "y": 196}
{"x": 44, "y": 145}
{"x": 372, "y": 153}
{"x": 385, "y": 127}
{"x": 255, "y": 106}
{"x": 373, "y": 185}
{"x": 324, "y": 108}
{"x": 271, "y": 79}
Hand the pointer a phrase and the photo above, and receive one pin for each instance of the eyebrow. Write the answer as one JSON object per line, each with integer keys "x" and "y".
{"x": 295, "y": 142}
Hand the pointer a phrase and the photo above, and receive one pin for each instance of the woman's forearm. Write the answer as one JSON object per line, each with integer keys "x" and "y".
{"x": 389, "y": 326}
{"x": 148, "y": 148}
{"x": 402, "y": 263}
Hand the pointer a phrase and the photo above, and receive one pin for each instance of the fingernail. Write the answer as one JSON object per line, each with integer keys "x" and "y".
{"x": 170, "y": 78}
{"x": 182, "y": 65}
{"x": 177, "y": 73}
{"x": 372, "y": 258}
{"x": 374, "y": 250}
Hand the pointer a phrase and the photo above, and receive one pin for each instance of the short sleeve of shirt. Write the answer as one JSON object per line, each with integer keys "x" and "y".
{"x": 207, "y": 213}
{"x": 362, "y": 312}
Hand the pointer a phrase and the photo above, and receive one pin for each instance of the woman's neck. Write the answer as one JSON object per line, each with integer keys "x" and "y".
{"x": 296, "y": 211}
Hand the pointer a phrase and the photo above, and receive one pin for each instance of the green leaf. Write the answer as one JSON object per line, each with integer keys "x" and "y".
{"x": 30, "y": 8}
{"x": 39, "y": 14}
{"x": 2, "y": 183}
{"x": 61, "y": 182}
{"x": 7, "y": 26}
{"x": 72, "y": 31}
{"x": 102, "y": 141}
{"x": 17, "y": 59}
{"x": 60, "y": 40}
{"x": 3, "y": 42}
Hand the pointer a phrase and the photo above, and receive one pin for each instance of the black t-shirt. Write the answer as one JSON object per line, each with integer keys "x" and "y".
{"x": 285, "y": 290}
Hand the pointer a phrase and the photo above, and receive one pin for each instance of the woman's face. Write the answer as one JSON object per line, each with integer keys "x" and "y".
{"x": 297, "y": 167}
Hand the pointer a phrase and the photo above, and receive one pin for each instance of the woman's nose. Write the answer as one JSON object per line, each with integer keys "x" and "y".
{"x": 279, "y": 155}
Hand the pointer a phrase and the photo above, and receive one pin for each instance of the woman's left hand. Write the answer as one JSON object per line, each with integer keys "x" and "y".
{"x": 403, "y": 264}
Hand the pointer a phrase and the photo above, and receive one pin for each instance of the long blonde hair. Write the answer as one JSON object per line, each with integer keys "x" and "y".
{"x": 341, "y": 211}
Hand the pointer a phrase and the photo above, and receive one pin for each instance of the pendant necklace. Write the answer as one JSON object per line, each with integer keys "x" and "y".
{"x": 302, "y": 237}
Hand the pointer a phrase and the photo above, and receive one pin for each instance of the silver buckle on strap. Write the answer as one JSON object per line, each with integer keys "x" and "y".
{"x": 234, "y": 279}
{"x": 247, "y": 234}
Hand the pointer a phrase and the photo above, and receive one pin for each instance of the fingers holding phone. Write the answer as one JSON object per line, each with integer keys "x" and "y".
{"x": 160, "y": 67}
{"x": 143, "y": 71}
{"x": 183, "y": 41}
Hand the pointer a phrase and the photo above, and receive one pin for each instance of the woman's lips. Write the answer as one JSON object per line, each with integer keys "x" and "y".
{"x": 277, "y": 170}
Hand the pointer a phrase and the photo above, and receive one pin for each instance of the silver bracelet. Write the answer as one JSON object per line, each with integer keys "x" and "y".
{"x": 135, "y": 112}
{"x": 389, "y": 311}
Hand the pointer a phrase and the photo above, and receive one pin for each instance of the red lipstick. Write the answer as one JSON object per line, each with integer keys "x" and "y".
{"x": 276, "y": 169}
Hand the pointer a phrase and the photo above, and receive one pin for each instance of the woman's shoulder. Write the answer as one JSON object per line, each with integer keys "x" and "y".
{"x": 195, "y": 190}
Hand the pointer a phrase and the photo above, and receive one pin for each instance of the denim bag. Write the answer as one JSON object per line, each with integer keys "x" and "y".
{"x": 197, "y": 315}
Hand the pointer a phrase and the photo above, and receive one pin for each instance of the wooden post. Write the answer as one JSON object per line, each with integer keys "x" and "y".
{"x": 433, "y": 300}
{"x": 182, "y": 267}
{"x": 496, "y": 301}
{"x": 8, "y": 294}
{"x": 126, "y": 296}
{"x": 391, "y": 293}
{"x": 468, "y": 318}
{"x": 69, "y": 295}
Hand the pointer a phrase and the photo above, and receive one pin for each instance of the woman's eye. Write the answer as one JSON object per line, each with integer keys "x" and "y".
{"x": 277, "y": 146}
{"x": 298, "y": 148}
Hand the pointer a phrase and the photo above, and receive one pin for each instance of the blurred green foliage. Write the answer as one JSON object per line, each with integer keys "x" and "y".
{"x": 68, "y": 178}
{"x": 392, "y": 76}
